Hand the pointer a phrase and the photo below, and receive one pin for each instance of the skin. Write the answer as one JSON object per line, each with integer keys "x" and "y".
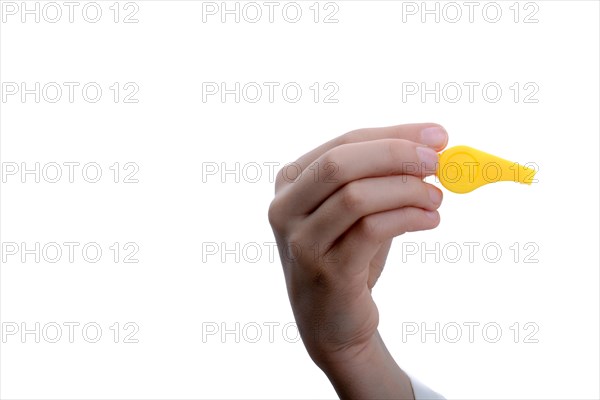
{"x": 334, "y": 223}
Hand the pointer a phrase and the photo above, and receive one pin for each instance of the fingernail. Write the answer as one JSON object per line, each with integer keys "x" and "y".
{"x": 432, "y": 214}
{"x": 435, "y": 195}
{"x": 428, "y": 159}
{"x": 434, "y": 136}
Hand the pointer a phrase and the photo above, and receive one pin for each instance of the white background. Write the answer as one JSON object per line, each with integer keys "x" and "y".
{"x": 177, "y": 291}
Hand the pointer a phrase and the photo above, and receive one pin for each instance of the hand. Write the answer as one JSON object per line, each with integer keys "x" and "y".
{"x": 334, "y": 223}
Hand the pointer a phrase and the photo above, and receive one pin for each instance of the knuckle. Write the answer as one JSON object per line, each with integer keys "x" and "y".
{"x": 328, "y": 166}
{"x": 275, "y": 214}
{"x": 279, "y": 179}
{"x": 332, "y": 156}
{"x": 287, "y": 174}
{"x": 352, "y": 198}
{"x": 369, "y": 227}
{"x": 294, "y": 241}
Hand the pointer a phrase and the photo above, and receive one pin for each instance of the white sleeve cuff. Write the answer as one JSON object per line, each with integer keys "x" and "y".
{"x": 422, "y": 392}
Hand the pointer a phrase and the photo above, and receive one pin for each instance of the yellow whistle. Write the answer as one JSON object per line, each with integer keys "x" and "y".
{"x": 462, "y": 169}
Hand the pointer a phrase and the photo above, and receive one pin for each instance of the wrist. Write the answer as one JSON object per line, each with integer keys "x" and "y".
{"x": 368, "y": 371}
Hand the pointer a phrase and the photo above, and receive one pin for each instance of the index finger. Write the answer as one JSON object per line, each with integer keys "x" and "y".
{"x": 430, "y": 134}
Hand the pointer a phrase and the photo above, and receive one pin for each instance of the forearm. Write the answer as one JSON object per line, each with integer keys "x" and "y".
{"x": 372, "y": 374}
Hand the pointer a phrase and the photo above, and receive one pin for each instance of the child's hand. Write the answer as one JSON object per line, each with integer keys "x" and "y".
{"x": 334, "y": 225}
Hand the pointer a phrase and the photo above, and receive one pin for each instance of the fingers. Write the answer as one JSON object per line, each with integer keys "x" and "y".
{"x": 358, "y": 246}
{"x": 432, "y": 135}
{"x": 368, "y": 196}
{"x": 350, "y": 162}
